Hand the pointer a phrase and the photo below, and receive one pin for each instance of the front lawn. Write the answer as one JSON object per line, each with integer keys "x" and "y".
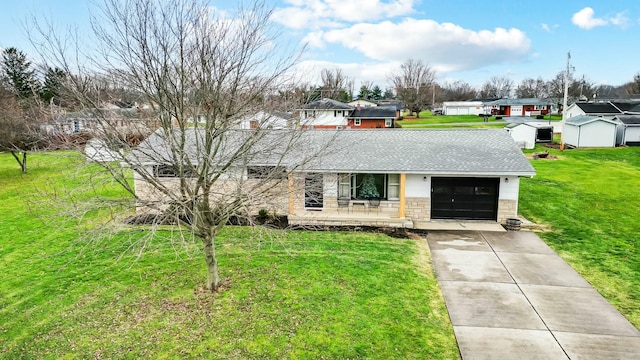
{"x": 444, "y": 119}
{"x": 295, "y": 294}
{"x": 590, "y": 200}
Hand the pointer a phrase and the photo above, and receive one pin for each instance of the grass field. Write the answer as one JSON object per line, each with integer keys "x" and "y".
{"x": 287, "y": 295}
{"x": 590, "y": 200}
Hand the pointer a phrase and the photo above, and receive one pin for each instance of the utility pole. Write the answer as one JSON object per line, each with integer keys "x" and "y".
{"x": 566, "y": 95}
{"x": 566, "y": 85}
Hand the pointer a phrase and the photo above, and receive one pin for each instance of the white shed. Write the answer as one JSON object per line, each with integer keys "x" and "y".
{"x": 590, "y": 131}
{"x": 99, "y": 150}
{"x": 630, "y": 125}
{"x": 526, "y": 135}
{"x": 462, "y": 108}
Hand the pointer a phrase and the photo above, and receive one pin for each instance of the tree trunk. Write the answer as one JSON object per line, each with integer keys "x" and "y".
{"x": 213, "y": 281}
{"x": 23, "y": 162}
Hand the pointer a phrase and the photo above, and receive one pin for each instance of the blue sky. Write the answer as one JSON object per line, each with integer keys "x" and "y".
{"x": 465, "y": 40}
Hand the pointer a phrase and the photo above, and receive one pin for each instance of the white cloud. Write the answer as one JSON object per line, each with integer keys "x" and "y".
{"x": 446, "y": 47}
{"x": 375, "y": 72}
{"x": 548, "y": 28}
{"x": 315, "y": 14}
{"x": 584, "y": 19}
{"x": 620, "y": 20}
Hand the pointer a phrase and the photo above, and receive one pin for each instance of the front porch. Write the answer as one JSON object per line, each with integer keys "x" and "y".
{"x": 359, "y": 215}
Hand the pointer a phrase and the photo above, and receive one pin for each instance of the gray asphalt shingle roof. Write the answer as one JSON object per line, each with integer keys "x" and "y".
{"x": 629, "y": 119}
{"x": 327, "y": 104}
{"x": 423, "y": 151}
{"x": 376, "y": 112}
{"x": 585, "y": 119}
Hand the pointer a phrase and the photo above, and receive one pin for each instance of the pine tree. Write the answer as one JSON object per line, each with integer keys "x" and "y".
{"x": 52, "y": 85}
{"x": 19, "y": 75}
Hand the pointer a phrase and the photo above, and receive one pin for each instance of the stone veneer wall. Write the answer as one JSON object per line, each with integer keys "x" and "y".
{"x": 273, "y": 197}
{"x": 418, "y": 208}
{"x": 507, "y": 209}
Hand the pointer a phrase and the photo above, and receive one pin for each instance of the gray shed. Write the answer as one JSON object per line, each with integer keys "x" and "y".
{"x": 590, "y": 131}
{"x": 630, "y": 129}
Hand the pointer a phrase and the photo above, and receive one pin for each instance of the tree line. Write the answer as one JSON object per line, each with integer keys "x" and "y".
{"x": 414, "y": 84}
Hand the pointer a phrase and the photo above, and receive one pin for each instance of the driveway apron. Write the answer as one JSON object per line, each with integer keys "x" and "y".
{"x": 510, "y": 296}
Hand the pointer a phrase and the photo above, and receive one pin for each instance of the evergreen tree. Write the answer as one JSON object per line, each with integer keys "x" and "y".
{"x": 19, "y": 76}
{"x": 52, "y": 87}
{"x": 364, "y": 93}
{"x": 376, "y": 93}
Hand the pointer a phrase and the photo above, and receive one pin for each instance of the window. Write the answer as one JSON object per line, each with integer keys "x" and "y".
{"x": 266, "y": 172}
{"x": 382, "y": 186}
{"x": 356, "y": 121}
{"x": 170, "y": 171}
{"x": 393, "y": 187}
{"x": 344, "y": 185}
{"x": 540, "y": 107}
{"x": 387, "y": 123}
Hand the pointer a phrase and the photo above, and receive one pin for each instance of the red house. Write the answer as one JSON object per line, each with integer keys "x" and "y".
{"x": 372, "y": 117}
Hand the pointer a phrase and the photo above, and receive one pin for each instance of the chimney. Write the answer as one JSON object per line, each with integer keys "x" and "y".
{"x": 358, "y": 106}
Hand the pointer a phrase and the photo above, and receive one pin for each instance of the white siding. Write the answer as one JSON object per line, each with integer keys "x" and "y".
{"x": 323, "y": 117}
{"x": 418, "y": 186}
{"x": 632, "y": 134}
{"x": 573, "y": 111}
{"x": 570, "y": 134}
{"x": 509, "y": 188}
{"x": 462, "y": 108}
{"x": 593, "y": 134}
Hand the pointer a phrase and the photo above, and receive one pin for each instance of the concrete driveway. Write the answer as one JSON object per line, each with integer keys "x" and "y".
{"x": 510, "y": 296}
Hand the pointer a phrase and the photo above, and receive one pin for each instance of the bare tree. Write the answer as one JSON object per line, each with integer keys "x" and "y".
{"x": 458, "y": 91}
{"x": 633, "y": 87}
{"x": 19, "y": 126}
{"x": 414, "y": 84}
{"x": 532, "y": 88}
{"x": 497, "y": 87}
{"x": 336, "y": 85}
{"x": 20, "y": 107}
{"x": 202, "y": 73}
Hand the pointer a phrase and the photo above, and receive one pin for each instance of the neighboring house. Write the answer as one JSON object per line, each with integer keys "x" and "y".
{"x": 629, "y": 129}
{"x": 101, "y": 121}
{"x": 607, "y": 109}
{"x": 463, "y": 108}
{"x": 268, "y": 120}
{"x": 325, "y": 114}
{"x": 526, "y": 134}
{"x": 332, "y": 114}
{"x": 375, "y": 177}
{"x": 362, "y": 103}
{"x": 520, "y": 107}
{"x": 590, "y": 131}
{"x": 372, "y": 117}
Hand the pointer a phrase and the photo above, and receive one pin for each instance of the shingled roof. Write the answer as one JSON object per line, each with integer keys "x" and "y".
{"x": 421, "y": 151}
{"x": 586, "y": 119}
{"x": 629, "y": 119}
{"x": 327, "y": 104}
{"x": 374, "y": 112}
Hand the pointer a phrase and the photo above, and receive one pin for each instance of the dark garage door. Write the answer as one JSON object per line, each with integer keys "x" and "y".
{"x": 464, "y": 198}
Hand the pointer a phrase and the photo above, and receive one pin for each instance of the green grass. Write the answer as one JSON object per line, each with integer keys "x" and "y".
{"x": 442, "y": 119}
{"x": 287, "y": 294}
{"x": 590, "y": 200}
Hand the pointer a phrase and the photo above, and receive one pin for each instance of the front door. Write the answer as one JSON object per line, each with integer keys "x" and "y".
{"x": 464, "y": 198}
{"x": 313, "y": 186}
